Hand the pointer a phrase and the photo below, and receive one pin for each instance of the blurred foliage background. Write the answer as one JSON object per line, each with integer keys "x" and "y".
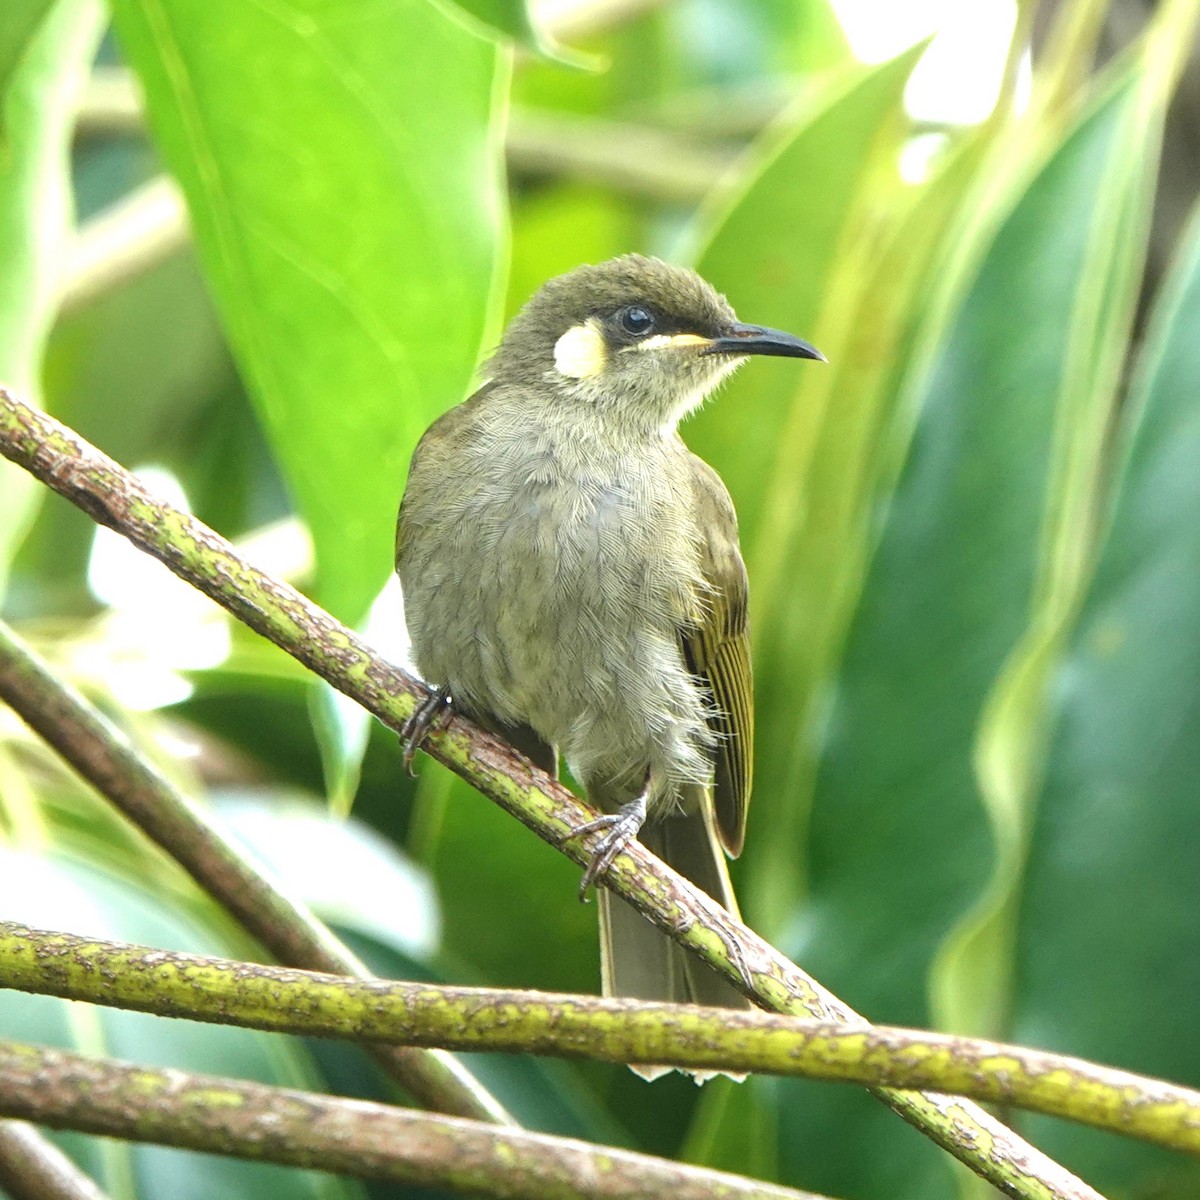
{"x": 973, "y": 540}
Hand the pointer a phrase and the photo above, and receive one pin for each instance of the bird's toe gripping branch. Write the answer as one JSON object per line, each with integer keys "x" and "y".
{"x": 623, "y": 827}
{"x": 432, "y": 711}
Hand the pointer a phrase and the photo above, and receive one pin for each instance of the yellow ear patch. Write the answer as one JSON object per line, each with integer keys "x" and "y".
{"x": 581, "y": 353}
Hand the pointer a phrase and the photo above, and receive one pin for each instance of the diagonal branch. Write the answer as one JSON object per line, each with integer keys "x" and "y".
{"x": 202, "y": 988}
{"x": 350, "y": 1137}
{"x": 111, "y": 495}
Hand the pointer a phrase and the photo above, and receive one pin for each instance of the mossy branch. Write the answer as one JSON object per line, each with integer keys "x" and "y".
{"x": 219, "y": 990}
{"x": 115, "y": 498}
{"x": 351, "y": 1137}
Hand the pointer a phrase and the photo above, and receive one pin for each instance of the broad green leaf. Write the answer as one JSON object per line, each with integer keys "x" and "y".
{"x": 1109, "y": 945}
{"x": 950, "y": 585}
{"x": 342, "y": 171}
{"x": 898, "y": 844}
{"x": 44, "y": 57}
{"x": 974, "y": 975}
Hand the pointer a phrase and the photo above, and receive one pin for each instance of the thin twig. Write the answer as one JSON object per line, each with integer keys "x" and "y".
{"x": 124, "y": 241}
{"x": 636, "y": 160}
{"x": 33, "y": 1168}
{"x": 102, "y": 754}
{"x": 202, "y": 988}
{"x": 111, "y": 495}
{"x": 350, "y": 1137}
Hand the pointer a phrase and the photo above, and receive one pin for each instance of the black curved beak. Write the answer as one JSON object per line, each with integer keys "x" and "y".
{"x": 755, "y": 339}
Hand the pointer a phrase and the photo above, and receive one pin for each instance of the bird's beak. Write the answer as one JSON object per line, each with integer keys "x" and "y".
{"x": 754, "y": 339}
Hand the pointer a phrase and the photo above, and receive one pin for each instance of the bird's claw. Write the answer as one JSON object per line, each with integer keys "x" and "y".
{"x": 623, "y": 827}
{"x": 418, "y": 727}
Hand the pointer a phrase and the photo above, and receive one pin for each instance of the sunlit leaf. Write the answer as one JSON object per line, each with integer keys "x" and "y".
{"x": 21, "y": 20}
{"x": 342, "y": 174}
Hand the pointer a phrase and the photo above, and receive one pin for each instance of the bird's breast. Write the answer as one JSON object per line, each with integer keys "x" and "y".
{"x": 552, "y": 587}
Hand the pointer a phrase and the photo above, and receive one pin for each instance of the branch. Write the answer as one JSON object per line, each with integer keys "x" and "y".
{"x": 125, "y": 240}
{"x": 636, "y": 160}
{"x": 33, "y": 1168}
{"x": 114, "y": 497}
{"x": 103, "y": 756}
{"x": 350, "y": 1137}
{"x": 202, "y": 988}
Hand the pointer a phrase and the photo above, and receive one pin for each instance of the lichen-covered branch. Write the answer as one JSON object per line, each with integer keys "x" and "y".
{"x": 350, "y": 1137}
{"x": 271, "y": 998}
{"x": 111, "y": 495}
{"x": 103, "y": 756}
{"x": 33, "y": 1168}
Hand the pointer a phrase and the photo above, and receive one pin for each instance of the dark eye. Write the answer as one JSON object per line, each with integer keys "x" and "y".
{"x": 636, "y": 320}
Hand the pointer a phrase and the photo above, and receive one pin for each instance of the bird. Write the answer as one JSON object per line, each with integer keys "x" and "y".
{"x": 572, "y": 581}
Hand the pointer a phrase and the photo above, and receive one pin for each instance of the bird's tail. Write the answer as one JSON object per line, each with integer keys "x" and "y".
{"x": 640, "y": 962}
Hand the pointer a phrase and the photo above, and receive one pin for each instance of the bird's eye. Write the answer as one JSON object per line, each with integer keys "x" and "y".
{"x": 636, "y": 320}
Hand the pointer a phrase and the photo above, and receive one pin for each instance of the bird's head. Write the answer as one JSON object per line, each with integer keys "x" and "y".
{"x": 641, "y": 338}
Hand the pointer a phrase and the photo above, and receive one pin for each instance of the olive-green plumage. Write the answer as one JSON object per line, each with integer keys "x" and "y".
{"x": 572, "y": 577}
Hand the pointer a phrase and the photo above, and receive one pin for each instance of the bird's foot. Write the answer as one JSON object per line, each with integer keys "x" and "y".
{"x": 428, "y": 714}
{"x": 623, "y": 826}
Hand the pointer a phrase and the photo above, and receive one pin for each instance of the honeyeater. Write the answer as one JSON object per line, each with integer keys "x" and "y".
{"x": 572, "y": 580}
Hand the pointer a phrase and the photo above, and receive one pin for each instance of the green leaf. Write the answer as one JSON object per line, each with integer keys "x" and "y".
{"x": 1109, "y": 945}
{"x": 343, "y": 175}
{"x": 899, "y": 845}
{"x": 44, "y": 57}
{"x": 783, "y": 283}
{"x": 21, "y": 21}
{"x": 762, "y": 433}
{"x": 974, "y": 974}
{"x": 949, "y": 589}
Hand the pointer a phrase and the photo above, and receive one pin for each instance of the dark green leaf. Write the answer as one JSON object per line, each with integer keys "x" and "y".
{"x": 899, "y": 846}
{"x": 1109, "y": 958}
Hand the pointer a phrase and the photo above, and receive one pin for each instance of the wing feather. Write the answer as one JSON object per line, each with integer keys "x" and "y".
{"x": 717, "y": 649}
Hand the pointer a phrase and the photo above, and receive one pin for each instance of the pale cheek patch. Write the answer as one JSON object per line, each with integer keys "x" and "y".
{"x": 580, "y": 353}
